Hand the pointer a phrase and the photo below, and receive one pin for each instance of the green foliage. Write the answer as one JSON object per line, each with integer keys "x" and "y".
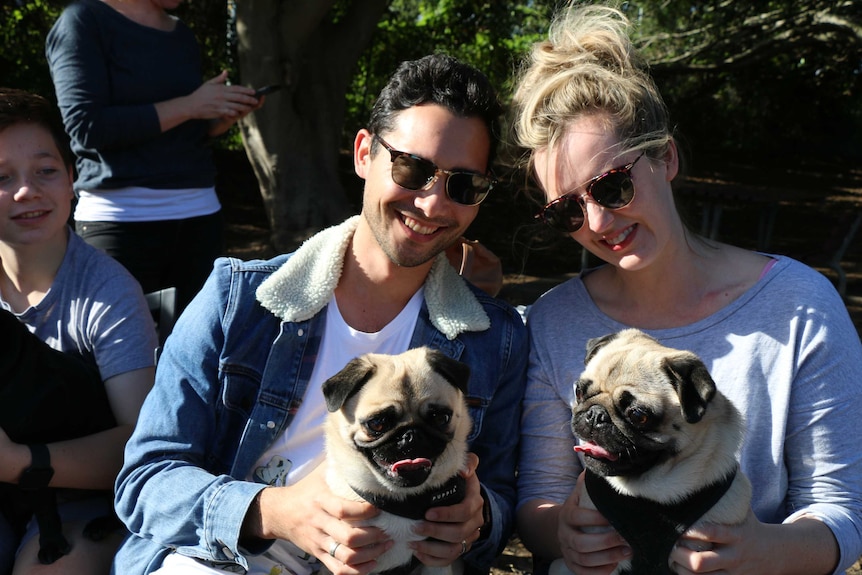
{"x": 489, "y": 34}
{"x": 209, "y": 21}
{"x": 23, "y": 28}
{"x": 773, "y": 79}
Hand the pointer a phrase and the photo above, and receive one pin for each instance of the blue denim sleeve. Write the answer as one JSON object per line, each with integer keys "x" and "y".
{"x": 497, "y": 441}
{"x": 171, "y": 489}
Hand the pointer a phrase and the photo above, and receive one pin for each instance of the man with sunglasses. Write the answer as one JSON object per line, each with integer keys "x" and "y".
{"x": 222, "y": 473}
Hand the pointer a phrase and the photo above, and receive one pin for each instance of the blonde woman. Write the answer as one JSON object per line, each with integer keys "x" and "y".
{"x": 774, "y": 333}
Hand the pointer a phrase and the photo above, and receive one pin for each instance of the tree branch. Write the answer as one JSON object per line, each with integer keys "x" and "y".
{"x": 718, "y": 44}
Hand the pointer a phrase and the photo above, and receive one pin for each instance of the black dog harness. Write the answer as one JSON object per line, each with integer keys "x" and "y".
{"x": 652, "y": 528}
{"x": 415, "y": 506}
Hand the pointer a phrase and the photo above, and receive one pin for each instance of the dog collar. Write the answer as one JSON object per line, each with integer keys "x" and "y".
{"x": 651, "y": 528}
{"x": 415, "y": 506}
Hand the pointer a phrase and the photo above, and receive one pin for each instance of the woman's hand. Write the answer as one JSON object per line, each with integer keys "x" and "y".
{"x": 805, "y": 546}
{"x": 310, "y": 516}
{"x": 729, "y": 548}
{"x": 453, "y": 529}
{"x": 590, "y": 546}
{"x": 214, "y": 100}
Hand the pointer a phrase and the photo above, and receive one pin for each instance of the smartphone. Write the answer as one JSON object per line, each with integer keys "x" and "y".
{"x": 267, "y": 90}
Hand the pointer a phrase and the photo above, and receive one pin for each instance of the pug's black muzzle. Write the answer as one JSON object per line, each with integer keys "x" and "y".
{"x": 406, "y": 455}
{"x": 630, "y": 454}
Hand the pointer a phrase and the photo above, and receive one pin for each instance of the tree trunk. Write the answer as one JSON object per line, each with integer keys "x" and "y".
{"x": 293, "y": 142}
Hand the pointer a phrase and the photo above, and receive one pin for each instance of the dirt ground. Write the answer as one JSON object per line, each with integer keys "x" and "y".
{"x": 808, "y": 208}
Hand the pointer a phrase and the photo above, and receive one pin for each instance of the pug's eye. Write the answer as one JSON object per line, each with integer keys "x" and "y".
{"x": 638, "y": 417}
{"x": 581, "y": 389}
{"x": 378, "y": 425}
{"x": 439, "y": 417}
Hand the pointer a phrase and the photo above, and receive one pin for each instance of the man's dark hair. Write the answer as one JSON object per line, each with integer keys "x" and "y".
{"x": 21, "y": 107}
{"x": 442, "y": 80}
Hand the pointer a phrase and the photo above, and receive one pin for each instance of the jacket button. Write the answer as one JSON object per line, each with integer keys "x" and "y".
{"x": 226, "y": 550}
{"x": 300, "y": 332}
{"x": 270, "y": 424}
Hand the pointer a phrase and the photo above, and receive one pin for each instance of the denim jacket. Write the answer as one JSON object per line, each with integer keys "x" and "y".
{"x": 235, "y": 370}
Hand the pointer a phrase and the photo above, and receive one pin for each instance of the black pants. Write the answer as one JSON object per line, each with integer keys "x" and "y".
{"x": 161, "y": 254}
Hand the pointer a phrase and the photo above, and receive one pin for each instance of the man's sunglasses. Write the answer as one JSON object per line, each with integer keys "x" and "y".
{"x": 415, "y": 173}
{"x": 612, "y": 190}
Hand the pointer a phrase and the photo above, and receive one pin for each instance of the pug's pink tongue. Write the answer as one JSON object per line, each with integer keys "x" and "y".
{"x": 410, "y": 465}
{"x": 596, "y": 451}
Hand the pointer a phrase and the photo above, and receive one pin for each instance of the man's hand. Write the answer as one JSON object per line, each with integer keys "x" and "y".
{"x": 453, "y": 529}
{"x": 312, "y": 518}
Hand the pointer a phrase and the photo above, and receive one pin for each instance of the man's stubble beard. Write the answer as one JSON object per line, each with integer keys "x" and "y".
{"x": 399, "y": 258}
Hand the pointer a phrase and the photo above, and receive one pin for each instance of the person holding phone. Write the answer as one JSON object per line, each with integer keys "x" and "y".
{"x": 128, "y": 82}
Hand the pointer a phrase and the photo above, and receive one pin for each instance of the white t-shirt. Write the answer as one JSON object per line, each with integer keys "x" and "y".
{"x": 301, "y": 447}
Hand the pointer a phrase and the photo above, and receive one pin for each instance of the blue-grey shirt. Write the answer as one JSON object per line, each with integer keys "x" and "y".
{"x": 95, "y": 309}
{"x": 785, "y": 353}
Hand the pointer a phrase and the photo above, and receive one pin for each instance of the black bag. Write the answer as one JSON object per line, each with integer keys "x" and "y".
{"x": 45, "y": 396}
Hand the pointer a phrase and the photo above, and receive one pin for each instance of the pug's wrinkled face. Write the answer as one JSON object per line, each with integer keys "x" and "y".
{"x": 399, "y": 419}
{"x": 638, "y": 403}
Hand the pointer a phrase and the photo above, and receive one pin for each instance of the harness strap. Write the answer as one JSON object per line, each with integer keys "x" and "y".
{"x": 415, "y": 506}
{"x": 652, "y": 528}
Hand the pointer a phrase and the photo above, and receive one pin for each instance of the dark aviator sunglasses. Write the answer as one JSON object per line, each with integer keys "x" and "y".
{"x": 414, "y": 173}
{"x": 612, "y": 190}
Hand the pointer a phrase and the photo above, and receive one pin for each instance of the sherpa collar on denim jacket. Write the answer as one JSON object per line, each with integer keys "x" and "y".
{"x": 301, "y": 287}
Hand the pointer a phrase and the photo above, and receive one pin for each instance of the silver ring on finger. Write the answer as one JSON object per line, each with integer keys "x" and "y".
{"x": 463, "y": 546}
{"x": 333, "y": 547}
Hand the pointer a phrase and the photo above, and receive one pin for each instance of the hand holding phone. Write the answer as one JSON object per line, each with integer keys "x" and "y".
{"x": 267, "y": 90}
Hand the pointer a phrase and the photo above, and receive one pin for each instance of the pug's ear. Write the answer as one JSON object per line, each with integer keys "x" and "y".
{"x": 595, "y": 344}
{"x": 694, "y": 385}
{"x": 455, "y": 372}
{"x": 347, "y": 382}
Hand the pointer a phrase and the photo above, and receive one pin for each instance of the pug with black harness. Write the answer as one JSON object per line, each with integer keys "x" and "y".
{"x": 45, "y": 396}
{"x": 660, "y": 444}
{"x": 396, "y": 436}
